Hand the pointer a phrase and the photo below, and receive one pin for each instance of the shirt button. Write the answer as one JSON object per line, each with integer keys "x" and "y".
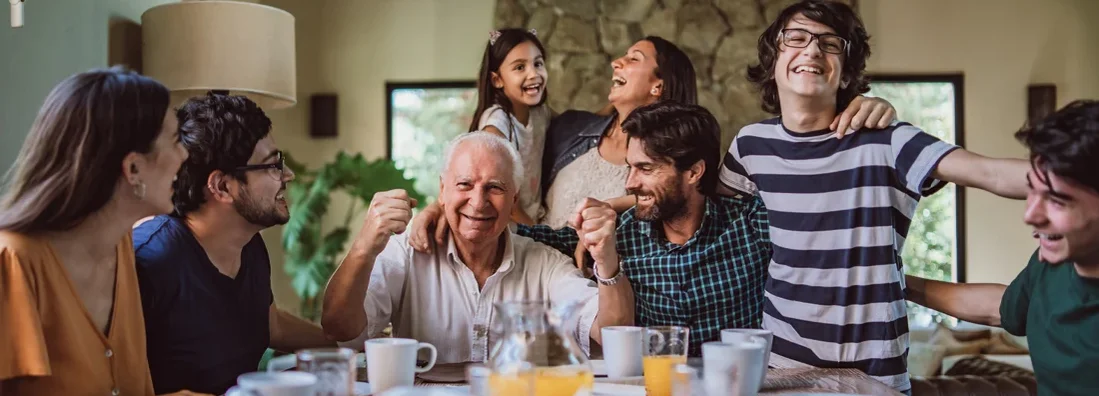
{"x": 114, "y": 392}
{"x": 109, "y": 353}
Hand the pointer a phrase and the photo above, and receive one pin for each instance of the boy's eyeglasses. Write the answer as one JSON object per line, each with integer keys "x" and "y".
{"x": 827, "y": 42}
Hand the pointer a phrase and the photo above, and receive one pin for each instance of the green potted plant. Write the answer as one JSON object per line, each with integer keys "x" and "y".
{"x": 311, "y": 251}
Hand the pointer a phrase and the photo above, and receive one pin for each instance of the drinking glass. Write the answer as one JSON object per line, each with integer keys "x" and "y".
{"x": 334, "y": 368}
{"x": 666, "y": 346}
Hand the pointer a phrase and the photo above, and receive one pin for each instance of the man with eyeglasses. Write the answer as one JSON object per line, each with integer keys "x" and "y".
{"x": 839, "y": 209}
{"x": 204, "y": 272}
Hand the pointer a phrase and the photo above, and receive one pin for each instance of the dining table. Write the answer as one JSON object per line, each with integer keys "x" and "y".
{"x": 779, "y": 381}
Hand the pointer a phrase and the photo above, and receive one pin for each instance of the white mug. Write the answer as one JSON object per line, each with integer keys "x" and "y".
{"x": 391, "y": 362}
{"x": 733, "y": 368}
{"x": 287, "y": 383}
{"x": 622, "y": 351}
{"x": 734, "y": 335}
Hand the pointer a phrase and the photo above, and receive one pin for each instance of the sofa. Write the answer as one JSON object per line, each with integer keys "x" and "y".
{"x": 969, "y": 359}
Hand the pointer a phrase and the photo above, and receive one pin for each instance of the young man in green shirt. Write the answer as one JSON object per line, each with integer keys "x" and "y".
{"x": 1054, "y": 302}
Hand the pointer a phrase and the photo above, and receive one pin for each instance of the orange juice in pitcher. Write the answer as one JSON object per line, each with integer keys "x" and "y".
{"x": 534, "y": 356}
{"x": 543, "y": 382}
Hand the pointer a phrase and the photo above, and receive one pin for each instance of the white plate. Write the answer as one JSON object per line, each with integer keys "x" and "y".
{"x": 609, "y": 389}
{"x": 638, "y": 380}
{"x": 361, "y": 389}
{"x": 457, "y": 390}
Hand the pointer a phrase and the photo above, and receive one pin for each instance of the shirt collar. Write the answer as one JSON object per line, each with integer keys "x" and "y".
{"x": 598, "y": 128}
{"x": 506, "y": 263}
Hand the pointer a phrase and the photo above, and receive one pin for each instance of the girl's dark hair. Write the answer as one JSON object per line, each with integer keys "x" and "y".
{"x": 495, "y": 52}
{"x": 677, "y": 71}
{"x": 71, "y": 160}
{"x": 838, "y": 16}
{"x": 1066, "y": 143}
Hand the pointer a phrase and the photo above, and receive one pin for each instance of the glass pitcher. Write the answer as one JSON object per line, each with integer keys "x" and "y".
{"x": 534, "y": 355}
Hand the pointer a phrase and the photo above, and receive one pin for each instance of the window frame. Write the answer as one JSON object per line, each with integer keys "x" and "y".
{"x": 957, "y": 80}
{"x": 391, "y": 86}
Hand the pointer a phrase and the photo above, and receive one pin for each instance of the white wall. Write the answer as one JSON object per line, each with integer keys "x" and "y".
{"x": 351, "y": 48}
{"x": 1000, "y": 46}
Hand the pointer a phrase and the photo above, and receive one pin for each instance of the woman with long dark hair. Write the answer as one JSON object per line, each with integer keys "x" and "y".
{"x": 101, "y": 155}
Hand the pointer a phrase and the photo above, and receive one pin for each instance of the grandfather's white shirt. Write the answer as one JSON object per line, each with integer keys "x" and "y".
{"x": 434, "y": 298}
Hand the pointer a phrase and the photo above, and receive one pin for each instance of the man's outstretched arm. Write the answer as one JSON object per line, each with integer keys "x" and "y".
{"x": 971, "y": 302}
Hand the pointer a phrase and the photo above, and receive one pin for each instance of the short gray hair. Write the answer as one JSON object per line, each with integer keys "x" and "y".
{"x": 493, "y": 143}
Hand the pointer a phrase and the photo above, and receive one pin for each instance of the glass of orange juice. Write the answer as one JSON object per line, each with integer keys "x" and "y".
{"x": 666, "y": 347}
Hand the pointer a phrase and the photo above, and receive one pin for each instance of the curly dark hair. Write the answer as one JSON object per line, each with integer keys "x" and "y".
{"x": 220, "y": 132}
{"x": 682, "y": 133}
{"x": 1066, "y": 143}
{"x": 838, "y": 16}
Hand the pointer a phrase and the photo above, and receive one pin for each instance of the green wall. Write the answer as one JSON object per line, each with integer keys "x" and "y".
{"x": 58, "y": 38}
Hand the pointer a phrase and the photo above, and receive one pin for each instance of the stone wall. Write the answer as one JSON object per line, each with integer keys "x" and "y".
{"x": 582, "y": 37}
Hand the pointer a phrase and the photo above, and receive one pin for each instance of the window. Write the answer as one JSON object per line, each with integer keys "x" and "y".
{"x": 935, "y": 247}
{"x": 422, "y": 118}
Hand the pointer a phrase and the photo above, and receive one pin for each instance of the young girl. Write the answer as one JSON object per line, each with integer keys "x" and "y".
{"x": 511, "y": 97}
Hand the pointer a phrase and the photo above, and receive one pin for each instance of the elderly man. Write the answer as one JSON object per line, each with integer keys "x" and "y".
{"x": 446, "y": 298}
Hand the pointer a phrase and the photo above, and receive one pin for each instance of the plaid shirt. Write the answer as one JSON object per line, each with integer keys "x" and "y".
{"x": 714, "y": 281}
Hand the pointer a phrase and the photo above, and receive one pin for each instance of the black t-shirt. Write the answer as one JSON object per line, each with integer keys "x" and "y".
{"x": 203, "y": 329}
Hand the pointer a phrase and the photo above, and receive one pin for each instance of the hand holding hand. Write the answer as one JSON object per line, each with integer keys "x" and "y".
{"x": 595, "y": 225}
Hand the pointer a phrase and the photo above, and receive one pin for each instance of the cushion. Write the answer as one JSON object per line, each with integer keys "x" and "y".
{"x": 979, "y": 366}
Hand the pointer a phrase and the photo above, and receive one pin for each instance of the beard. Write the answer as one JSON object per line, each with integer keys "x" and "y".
{"x": 255, "y": 212}
{"x": 669, "y": 205}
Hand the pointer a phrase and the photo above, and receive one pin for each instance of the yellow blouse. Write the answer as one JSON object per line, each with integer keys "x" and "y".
{"x": 48, "y": 342}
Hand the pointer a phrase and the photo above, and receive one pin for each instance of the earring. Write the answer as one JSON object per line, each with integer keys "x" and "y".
{"x": 139, "y": 190}
{"x": 654, "y": 91}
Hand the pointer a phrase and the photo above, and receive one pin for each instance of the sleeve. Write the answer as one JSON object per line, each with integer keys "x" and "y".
{"x": 157, "y": 269}
{"x": 568, "y": 285}
{"x": 1016, "y": 300}
{"x": 916, "y": 154}
{"x": 734, "y": 177}
{"x": 498, "y": 118}
{"x": 383, "y": 294}
{"x": 762, "y": 228}
{"x": 22, "y": 344}
{"x": 564, "y": 240}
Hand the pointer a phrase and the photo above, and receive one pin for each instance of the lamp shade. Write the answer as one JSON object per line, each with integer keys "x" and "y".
{"x": 196, "y": 46}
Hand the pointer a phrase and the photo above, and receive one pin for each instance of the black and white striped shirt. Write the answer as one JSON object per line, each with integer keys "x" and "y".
{"x": 839, "y": 213}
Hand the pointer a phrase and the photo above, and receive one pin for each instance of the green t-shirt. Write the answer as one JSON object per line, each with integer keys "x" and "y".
{"x": 1058, "y": 312}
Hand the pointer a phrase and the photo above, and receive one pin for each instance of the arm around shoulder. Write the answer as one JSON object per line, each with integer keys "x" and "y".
{"x": 971, "y": 302}
{"x": 1005, "y": 177}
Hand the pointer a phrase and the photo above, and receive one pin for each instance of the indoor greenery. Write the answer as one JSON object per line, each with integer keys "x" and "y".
{"x": 312, "y": 250}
